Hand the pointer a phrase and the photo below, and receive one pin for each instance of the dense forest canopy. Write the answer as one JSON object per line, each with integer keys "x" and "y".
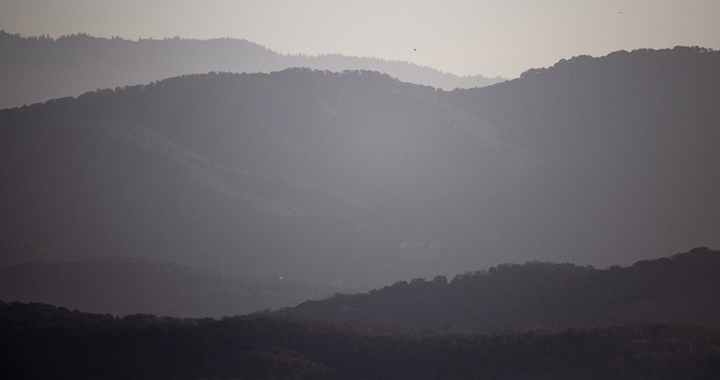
{"x": 41, "y": 341}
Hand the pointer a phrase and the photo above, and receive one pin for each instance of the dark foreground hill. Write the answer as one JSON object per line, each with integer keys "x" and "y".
{"x": 41, "y": 341}
{"x": 131, "y": 285}
{"x": 683, "y": 288}
{"x": 37, "y": 69}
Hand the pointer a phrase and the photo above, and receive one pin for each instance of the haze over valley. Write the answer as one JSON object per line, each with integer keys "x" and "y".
{"x": 215, "y": 209}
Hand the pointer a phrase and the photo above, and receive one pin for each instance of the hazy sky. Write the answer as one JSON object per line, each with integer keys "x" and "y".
{"x": 488, "y": 37}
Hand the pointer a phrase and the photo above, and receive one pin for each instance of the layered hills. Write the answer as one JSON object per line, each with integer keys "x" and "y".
{"x": 358, "y": 178}
{"x": 37, "y": 69}
{"x": 361, "y": 178}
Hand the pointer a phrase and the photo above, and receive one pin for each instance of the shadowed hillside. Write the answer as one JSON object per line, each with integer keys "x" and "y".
{"x": 683, "y": 288}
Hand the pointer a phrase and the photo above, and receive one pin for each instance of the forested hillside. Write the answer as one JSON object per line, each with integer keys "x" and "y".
{"x": 41, "y": 341}
{"x": 683, "y": 288}
{"x": 131, "y": 285}
{"x": 37, "y": 69}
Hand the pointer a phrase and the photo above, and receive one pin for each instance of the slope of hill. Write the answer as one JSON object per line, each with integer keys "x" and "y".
{"x": 40, "y": 341}
{"x": 111, "y": 188}
{"x": 304, "y": 173}
{"x": 130, "y": 285}
{"x": 683, "y": 288}
{"x": 633, "y": 137}
{"x": 36, "y": 69}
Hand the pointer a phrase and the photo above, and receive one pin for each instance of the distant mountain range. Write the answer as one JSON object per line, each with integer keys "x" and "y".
{"x": 37, "y": 69}
{"x": 361, "y": 179}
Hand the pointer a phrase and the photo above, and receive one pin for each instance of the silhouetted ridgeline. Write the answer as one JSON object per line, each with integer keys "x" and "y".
{"x": 41, "y": 342}
{"x": 683, "y": 288}
{"x": 129, "y": 285}
{"x": 36, "y": 69}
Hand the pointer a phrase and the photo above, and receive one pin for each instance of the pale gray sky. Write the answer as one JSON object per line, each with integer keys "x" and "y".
{"x": 464, "y": 37}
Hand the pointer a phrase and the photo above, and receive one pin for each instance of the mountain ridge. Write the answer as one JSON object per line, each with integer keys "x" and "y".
{"x": 43, "y": 68}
